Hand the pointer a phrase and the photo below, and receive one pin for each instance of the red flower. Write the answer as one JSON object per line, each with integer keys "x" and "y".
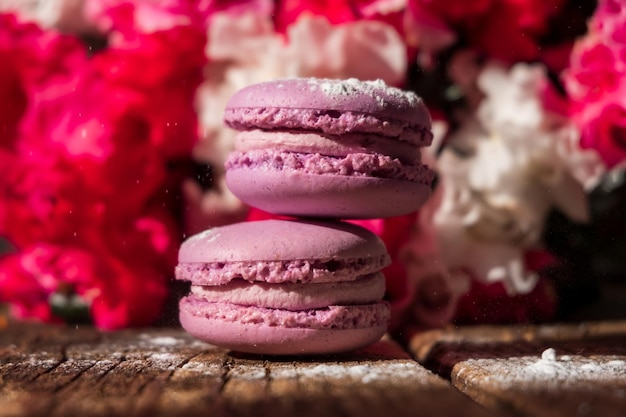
{"x": 82, "y": 183}
{"x": 42, "y": 277}
{"x": 43, "y": 200}
{"x": 337, "y": 12}
{"x": 490, "y": 304}
{"x": 507, "y": 30}
{"x": 30, "y": 59}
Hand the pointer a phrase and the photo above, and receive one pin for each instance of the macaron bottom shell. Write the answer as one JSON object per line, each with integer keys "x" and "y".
{"x": 265, "y": 337}
{"x": 320, "y": 195}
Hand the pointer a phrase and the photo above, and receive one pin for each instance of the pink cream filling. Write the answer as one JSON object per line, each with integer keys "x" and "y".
{"x": 318, "y": 270}
{"x": 331, "y": 122}
{"x": 356, "y": 164}
{"x": 332, "y": 317}
{"x": 296, "y": 296}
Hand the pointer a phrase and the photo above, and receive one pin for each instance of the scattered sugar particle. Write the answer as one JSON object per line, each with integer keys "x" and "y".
{"x": 164, "y": 357}
{"x": 40, "y": 362}
{"x": 248, "y": 373}
{"x": 201, "y": 344}
{"x": 284, "y": 373}
{"x": 208, "y": 235}
{"x": 164, "y": 361}
{"x": 549, "y": 355}
{"x": 165, "y": 341}
{"x": 209, "y": 369}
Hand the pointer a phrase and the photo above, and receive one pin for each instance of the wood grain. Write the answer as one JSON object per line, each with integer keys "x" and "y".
{"x": 67, "y": 371}
{"x": 556, "y": 370}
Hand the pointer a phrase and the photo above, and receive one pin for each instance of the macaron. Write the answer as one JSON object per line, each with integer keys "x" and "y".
{"x": 285, "y": 287}
{"x": 329, "y": 148}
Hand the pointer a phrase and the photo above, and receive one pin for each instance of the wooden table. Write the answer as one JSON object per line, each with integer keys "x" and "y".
{"x": 478, "y": 371}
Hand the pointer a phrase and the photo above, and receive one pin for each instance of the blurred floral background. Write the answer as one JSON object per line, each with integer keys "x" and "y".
{"x": 112, "y": 148}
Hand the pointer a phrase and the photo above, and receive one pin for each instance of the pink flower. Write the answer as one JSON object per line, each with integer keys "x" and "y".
{"x": 593, "y": 71}
{"x": 130, "y": 17}
{"x": 606, "y": 133}
{"x": 607, "y": 21}
{"x": 596, "y": 81}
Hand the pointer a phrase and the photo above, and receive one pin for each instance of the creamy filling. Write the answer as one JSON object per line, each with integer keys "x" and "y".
{"x": 329, "y": 145}
{"x": 332, "y": 317}
{"x": 355, "y": 164}
{"x": 295, "y": 296}
{"x": 326, "y": 121}
{"x": 317, "y": 270}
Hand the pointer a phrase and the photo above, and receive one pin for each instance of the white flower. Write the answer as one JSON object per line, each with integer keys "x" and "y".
{"x": 500, "y": 174}
{"x": 65, "y": 15}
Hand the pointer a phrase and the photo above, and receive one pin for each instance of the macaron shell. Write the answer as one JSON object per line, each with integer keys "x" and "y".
{"x": 283, "y": 332}
{"x": 281, "y": 240}
{"x": 365, "y": 97}
{"x": 266, "y": 340}
{"x": 333, "y": 196}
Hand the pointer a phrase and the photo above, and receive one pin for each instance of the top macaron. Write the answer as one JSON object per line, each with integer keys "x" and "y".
{"x": 329, "y": 148}
{"x": 331, "y": 106}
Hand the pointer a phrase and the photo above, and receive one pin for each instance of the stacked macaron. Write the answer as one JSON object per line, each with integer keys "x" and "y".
{"x": 318, "y": 148}
{"x": 329, "y": 148}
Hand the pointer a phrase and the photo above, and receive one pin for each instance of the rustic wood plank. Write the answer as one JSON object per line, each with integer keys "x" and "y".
{"x": 422, "y": 344}
{"x": 555, "y": 370}
{"x": 569, "y": 385}
{"x": 60, "y": 371}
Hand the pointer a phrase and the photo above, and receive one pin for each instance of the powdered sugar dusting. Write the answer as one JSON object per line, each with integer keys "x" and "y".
{"x": 204, "y": 368}
{"x": 376, "y": 89}
{"x": 550, "y": 371}
{"x": 166, "y": 341}
{"x": 397, "y": 372}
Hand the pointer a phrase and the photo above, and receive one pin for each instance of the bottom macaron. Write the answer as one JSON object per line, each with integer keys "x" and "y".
{"x": 270, "y": 331}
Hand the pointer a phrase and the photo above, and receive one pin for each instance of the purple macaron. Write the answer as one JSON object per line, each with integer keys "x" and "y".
{"x": 283, "y": 287}
{"x": 329, "y": 148}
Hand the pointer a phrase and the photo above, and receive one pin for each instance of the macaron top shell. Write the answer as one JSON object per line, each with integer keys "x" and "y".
{"x": 331, "y": 100}
{"x": 281, "y": 240}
